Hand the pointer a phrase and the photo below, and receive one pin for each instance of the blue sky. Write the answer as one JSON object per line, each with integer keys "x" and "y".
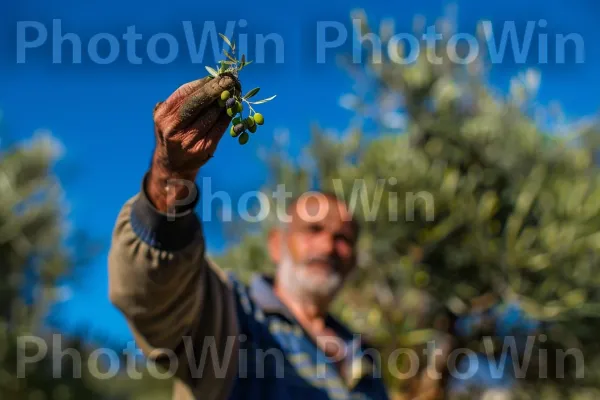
{"x": 103, "y": 113}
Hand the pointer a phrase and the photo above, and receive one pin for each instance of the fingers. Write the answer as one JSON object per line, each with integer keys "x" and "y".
{"x": 185, "y": 105}
{"x": 208, "y": 137}
{"x": 199, "y": 128}
{"x": 204, "y": 96}
{"x": 176, "y": 99}
{"x": 219, "y": 129}
{"x": 187, "y": 89}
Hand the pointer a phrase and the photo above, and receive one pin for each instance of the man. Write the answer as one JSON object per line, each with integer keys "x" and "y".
{"x": 271, "y": 340}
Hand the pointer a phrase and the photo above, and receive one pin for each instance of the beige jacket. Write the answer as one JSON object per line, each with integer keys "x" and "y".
{"x": 172, "y": 296}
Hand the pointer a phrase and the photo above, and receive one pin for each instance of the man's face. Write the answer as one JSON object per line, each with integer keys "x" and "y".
{"x": 318, "y": 250}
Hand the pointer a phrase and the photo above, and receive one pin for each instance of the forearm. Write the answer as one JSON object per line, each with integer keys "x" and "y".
{"x": 158, "y": 274}
{"x": 168, "y": 190}
{"x": 155, "y": 270}
{"x": 169, "y": 293}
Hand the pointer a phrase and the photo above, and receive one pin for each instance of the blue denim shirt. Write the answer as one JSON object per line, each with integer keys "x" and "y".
{"x": 279, "y": 361}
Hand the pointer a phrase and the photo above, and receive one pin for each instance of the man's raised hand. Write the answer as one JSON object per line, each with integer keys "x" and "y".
{"x": 188, "y": 127}
{"x": 190, "y": 123}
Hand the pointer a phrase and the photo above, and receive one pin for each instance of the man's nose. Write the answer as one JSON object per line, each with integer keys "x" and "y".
{"x": 326, "y": 243}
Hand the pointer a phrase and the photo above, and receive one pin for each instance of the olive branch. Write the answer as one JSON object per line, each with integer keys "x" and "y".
{"x": 234, "y": 104}
{"x": 233, "y": 66}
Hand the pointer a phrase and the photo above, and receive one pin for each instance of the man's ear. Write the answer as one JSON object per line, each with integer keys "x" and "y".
{"x": 274, "y": 244}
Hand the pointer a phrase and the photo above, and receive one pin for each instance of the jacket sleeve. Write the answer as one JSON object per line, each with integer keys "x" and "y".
{"x": 177, "y": 303}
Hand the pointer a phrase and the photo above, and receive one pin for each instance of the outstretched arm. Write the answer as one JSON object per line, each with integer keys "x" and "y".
{"x": 159, "y": 278}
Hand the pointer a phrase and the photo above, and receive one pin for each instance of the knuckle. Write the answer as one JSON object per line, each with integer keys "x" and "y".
{"x": 226, "y": 81}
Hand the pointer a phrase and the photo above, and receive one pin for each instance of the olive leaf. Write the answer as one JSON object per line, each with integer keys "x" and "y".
{"x": 229, "y": 56}
{"x": 244, "y": 64}
{"x": 212, "y": 71}
{"x": 226, "y": 40}
{"x": 251, "y": 93}
{"x": 263, "y": 100}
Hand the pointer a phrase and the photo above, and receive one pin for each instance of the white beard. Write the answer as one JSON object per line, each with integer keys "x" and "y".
{"x": 304, "y": 283}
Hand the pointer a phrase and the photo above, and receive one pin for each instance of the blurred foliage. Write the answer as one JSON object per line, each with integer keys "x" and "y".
{"x": 33, "y": 257}
{"x": 38, "y": 253}
{"x": 469, "y": 199}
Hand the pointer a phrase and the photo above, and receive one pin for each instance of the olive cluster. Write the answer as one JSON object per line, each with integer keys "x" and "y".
{"x": 240, "y": 125}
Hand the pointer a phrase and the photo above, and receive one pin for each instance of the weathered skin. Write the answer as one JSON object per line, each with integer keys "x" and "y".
{"x": 188, "y": 128}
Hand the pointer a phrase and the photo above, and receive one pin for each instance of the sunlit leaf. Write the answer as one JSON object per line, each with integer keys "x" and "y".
{"x": 251, "y": 93}
{"x": 229, "y": 56}
{"x": 212, "y": 71}
{"x": 226, "y": 40}
{"x": 244, "y": 64}
{"x": 264, "y": 100}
